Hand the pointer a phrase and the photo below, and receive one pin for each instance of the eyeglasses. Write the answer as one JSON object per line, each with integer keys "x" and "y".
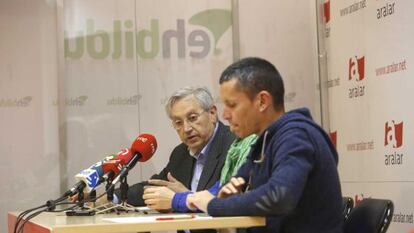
{"x": 191, "y": 120}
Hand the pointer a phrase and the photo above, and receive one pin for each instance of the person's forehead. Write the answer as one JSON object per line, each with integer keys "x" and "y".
{"x": 185, "y": 106}
{"x": 230, "y": 90}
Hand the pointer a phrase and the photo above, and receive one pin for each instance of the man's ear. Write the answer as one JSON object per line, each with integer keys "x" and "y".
{"x": 213, "y": 113}
{"x": 264, "y": 100}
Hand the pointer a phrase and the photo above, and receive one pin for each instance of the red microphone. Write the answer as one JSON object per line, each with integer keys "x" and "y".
{"x": 124, "y": 156}
{"x": 142, "y": 149}
{"x": 145, "y": 145}
{"x": 117, "y": 162}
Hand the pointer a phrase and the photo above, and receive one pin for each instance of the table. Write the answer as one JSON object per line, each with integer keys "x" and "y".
{"x": 60, "y": 223}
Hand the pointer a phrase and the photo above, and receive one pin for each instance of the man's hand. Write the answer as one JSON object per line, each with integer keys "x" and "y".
{"x": 158, "y": 198}
{"x": 172, "y": 184}
{"x": 199, "y": 200}
{"x": 234, "y": 186}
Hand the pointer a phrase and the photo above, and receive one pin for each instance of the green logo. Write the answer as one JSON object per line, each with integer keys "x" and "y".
{"x": 123, "y": 101}
{"x": 217, "y": 21}
{"x": 16, "y": 102}
{"x": 125, "y": 42}
{"x": 73, "y": 101}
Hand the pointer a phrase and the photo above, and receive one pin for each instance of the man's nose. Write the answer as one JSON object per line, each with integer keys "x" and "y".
{"x": 187, "y": 126}
{"x": 226, "y": 114}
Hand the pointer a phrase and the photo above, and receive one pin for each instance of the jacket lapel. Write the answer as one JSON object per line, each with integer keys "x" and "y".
{"x": 185, "y": 172}
{"x": 187, "y": 175}
{"x": 213, "y": 159}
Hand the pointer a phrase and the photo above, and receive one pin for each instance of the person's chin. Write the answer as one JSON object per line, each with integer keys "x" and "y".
{"x": 236, "y": 130}
{"x": 193, "y": 145}
{"x": 193, "y": 140}
{"x": 240, "y": 133}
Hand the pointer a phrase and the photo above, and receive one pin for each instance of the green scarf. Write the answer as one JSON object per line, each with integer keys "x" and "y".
{"x": 236, "y": 156}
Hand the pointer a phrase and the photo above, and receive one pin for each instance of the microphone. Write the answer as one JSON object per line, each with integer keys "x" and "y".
{"x": 90, "y": 178}
{"x": 116, "y": 163}
{"x": 142, "y": 149}
{"x": 145, "y": 146}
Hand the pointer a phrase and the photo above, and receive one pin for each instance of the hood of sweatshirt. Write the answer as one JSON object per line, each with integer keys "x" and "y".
{"x": 300, "y": 117}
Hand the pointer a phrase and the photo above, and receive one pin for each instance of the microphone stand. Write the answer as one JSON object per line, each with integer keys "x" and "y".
{"x": 80, "y": 208}
{"x": 124, "y": 189}
{"x": 109, "y": 189}
{"x": 122, "y": 177}
{"x": 78, "y": 188}
{"x": 124, "y": 196}
{"x": 81, "y": 196}
{"x": 92, "y": 197}
{"x": 124, "y": 206}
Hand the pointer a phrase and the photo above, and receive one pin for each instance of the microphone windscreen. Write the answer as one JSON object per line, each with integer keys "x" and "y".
{"x": 124, "y": 156}
{"x": 144, "y": 144}
{"x": 114, "y": 165}
{"x": 90, "y": 177}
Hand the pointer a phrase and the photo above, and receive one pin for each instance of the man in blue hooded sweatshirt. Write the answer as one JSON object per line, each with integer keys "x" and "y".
{"x": 291, "y": 173}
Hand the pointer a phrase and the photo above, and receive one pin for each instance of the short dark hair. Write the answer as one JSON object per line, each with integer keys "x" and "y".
{"x": 254, "y": 75}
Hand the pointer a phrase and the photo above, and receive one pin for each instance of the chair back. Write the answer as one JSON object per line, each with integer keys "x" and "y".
{"x": 370, "y": 216}
{"x": 347, "y": 205}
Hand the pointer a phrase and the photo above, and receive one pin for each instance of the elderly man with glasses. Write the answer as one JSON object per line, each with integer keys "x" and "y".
{"x": 196, "y": 163}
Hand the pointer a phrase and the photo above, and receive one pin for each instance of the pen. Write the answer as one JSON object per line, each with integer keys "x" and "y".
{"x": 175, "y": 217}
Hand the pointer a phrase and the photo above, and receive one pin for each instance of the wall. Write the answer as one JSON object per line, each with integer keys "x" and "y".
{"x": 287, "y": 38}
{"x": 369, "y": 54}
{"x": 29, "y": 145}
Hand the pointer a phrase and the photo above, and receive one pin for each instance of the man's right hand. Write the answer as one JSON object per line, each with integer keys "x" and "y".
{"x": 234, "y": 186}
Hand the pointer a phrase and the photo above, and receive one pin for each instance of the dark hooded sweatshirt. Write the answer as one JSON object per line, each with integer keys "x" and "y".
{"x": 293, "y": 179}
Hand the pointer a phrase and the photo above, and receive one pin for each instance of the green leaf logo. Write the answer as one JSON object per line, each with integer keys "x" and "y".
{"x": 27, "y": 99}
{"x": 83, "y": 98}
{"x": 215, "y": 20}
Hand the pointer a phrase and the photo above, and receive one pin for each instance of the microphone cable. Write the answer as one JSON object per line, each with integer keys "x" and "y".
{"x": 23, "y": 214}
{"x": 48, "y": 207}
{"x": 26, "y": 220}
